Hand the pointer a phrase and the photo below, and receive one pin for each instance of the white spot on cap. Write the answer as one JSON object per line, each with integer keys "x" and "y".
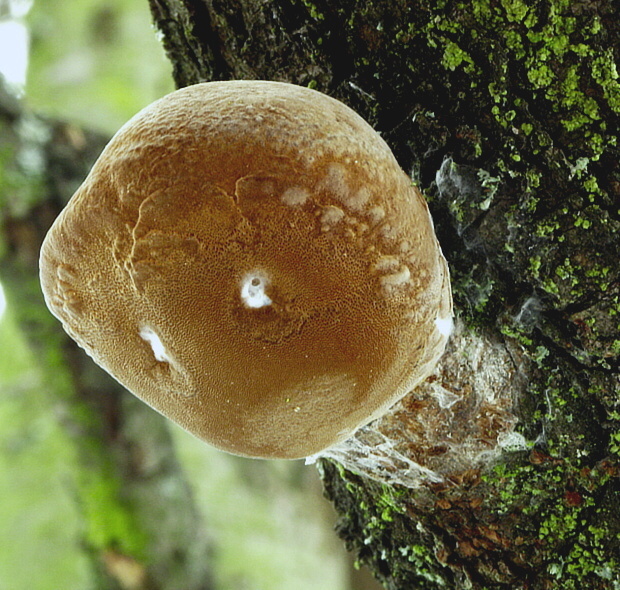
{"x": 253, "y": 292}
{"x": 295, "y": 196}
{"x": 396, "y": 279}
{"x": 359, "y": 200}
{"x": 386, "y": 264}
{"x": 335, "y": 182}
{"x": 444, "y": 325}
{"x": 330, "y": 217}
{"x": 376, "y": 214}
{"x": 159, "y": 350}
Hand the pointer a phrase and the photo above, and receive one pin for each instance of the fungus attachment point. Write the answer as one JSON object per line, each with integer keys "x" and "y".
{"x": 457, "y": 421}
{"x": 287, "y": 266}
{"x": 253, "y": 290}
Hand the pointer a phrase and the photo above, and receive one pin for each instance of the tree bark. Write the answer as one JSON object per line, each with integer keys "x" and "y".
{"x": 506, "y": 114}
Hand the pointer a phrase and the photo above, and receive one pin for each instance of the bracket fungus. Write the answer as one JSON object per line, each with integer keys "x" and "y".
{"x": 249, "y": 259}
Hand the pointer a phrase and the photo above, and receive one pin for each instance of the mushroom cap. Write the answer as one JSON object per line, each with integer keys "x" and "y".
{"x": 249, "y": 259}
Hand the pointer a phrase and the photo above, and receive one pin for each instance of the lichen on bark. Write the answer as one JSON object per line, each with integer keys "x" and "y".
{"x": 524, "y": 103}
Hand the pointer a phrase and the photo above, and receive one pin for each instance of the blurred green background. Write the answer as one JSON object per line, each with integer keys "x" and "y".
{"x": 95, "y": 63}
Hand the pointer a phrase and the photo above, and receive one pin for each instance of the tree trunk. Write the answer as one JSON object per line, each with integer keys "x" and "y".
{"x": 506, "y": 114}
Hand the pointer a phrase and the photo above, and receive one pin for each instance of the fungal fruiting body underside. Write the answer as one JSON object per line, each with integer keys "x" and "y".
{"x": 249, "y": 259}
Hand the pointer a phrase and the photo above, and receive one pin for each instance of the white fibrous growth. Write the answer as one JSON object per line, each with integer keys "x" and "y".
{"x": 444, "y": 325}
{"x": 462, "y": 418}
{"x": 159, "y": 350}
{"x": 253, "y": 290}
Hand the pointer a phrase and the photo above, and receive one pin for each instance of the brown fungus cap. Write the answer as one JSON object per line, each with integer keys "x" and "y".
{"x": 249, "y": 259}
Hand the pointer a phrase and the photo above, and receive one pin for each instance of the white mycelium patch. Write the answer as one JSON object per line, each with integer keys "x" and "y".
{"x": 159, "y": 350}
{"x": 253, "y": 290}
{"x": 444, "y": 325}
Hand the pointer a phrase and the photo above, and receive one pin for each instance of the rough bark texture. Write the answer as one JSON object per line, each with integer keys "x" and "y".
{"x": 523, "y": 99}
